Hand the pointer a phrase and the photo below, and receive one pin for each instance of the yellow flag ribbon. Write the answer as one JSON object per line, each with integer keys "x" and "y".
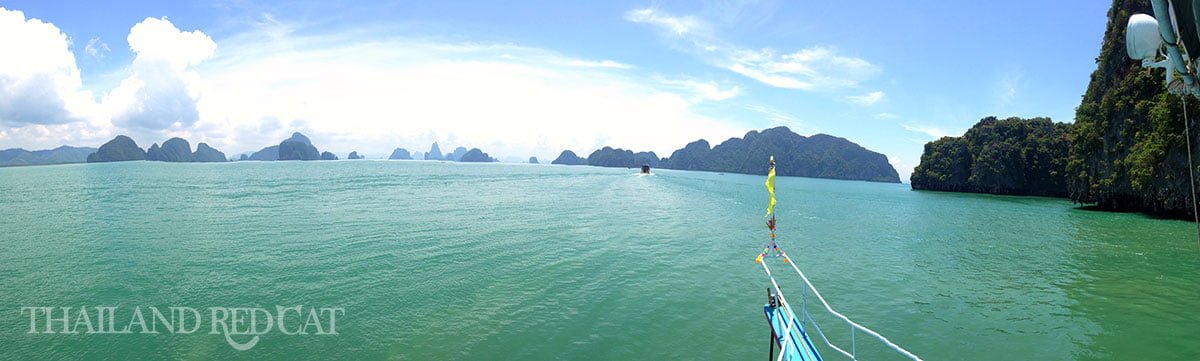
{"x": 771, "y": 187}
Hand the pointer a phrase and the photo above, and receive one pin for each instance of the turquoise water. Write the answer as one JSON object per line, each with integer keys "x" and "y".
{"x": 436, "y": 261}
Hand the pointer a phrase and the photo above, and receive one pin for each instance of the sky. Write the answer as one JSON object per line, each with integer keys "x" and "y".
{"x": 533, "y": 78}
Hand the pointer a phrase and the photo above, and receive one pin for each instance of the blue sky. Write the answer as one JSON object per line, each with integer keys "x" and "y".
{"x": 534, "y": 78}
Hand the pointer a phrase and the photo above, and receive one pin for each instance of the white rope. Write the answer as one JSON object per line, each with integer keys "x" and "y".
{"x": 808, "y": 284}
{"x": 787, "y": 332}
{"x": 788, "y": 306}
{"x": 1187, "y": 136}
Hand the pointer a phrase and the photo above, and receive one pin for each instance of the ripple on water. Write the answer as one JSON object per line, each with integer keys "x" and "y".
{"x": 454, "y": 261}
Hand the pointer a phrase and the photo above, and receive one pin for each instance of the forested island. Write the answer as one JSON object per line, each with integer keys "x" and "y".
{"x": 60, "y": 155}
{"x": 1129, "y": 151}
{"x": 1000, "y": 156}
{"x": 622, "y": 158}
{"x": 400, "y": 154}
{"x": 121, "y": 148}
{"x": 476, "y": 156}
{"x": 568, "y": 158}
{"x": 297, "y": 147}
{"x": 818, "y": 156}
{"x": 1126, "y": 150}
{"x": 460, "y": 154}
{"x": 179, "y": 150}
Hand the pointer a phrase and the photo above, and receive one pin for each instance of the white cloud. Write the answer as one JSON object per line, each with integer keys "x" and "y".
{"x": 159, "y": 94}
{"x": 46, "y": 136}
{"x": 372, "y": 94}
{"x": 159, "y": 40}
{"x": 39, "y": 80}
{"x": 886, "y": 116}
{"x": 96, "y": 48}
{"x": 812, "y": 68}
{"x": 599, "y": 64}
{"x": 868, "y": 99}
{"x": 267, "y": 25}
{"x": 378, "y": 94}
{"x": 775, "y": 80}
{"x": 1007, "y": 86}
{"x": 933, "y": 132}
{"x": 776, "y": 118}
{"x": 904, "y": 166}
{"x": 677, "y": 25}
{"x": 704, "y": 90}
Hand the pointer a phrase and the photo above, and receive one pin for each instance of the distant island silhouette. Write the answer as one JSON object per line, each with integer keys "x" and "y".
{"x": 817, "y": 156}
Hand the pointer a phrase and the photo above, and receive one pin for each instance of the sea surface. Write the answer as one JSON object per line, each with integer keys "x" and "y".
{"x": 438, "y": 261}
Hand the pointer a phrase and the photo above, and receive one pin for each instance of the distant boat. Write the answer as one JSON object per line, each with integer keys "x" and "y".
{"x": 645, "y": 169}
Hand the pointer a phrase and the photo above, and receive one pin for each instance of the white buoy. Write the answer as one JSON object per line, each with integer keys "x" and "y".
{"x": 1142, "y": 39}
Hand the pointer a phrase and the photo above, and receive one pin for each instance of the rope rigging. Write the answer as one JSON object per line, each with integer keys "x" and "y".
{"x": 772, "y": 250}
{"x": 1187, "y": 136}
{"x": 771, "y": 246}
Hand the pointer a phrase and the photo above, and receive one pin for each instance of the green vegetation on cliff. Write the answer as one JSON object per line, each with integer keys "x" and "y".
{"x": 1128, "y": 151}
{"x": 1000, "y": 156}
{"x": 621, "y": 158}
